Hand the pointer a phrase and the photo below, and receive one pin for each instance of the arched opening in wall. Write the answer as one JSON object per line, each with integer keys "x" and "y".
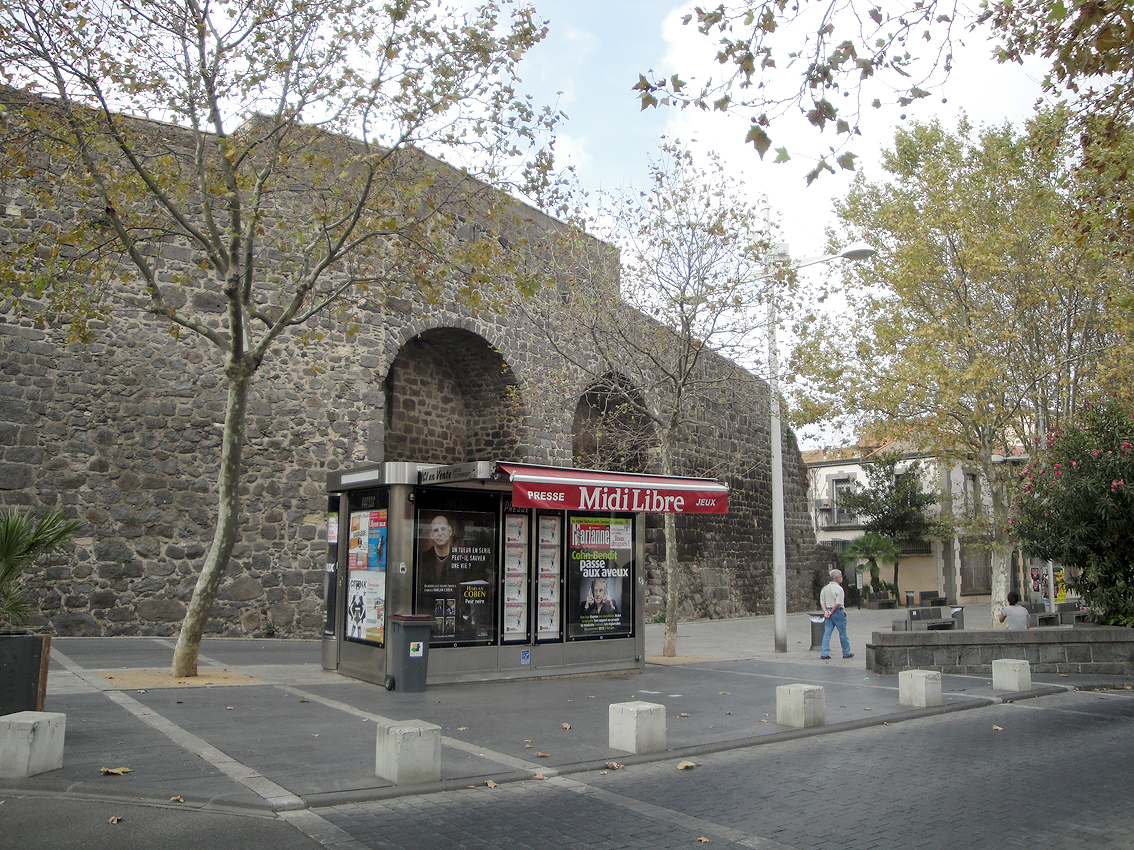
{"x": 451, "y": 398}
{"x": 610, "y": 430}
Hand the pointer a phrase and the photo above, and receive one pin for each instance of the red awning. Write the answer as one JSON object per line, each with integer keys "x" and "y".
{"x": 594, "y": 490}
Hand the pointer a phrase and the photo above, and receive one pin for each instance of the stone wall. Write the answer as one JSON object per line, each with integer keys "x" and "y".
{"x": 1100, "y": 650}
{"x": 124, "y": 432}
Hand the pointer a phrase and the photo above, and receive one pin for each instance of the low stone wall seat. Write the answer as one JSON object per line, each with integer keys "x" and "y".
{"x": 1102, "y": 650}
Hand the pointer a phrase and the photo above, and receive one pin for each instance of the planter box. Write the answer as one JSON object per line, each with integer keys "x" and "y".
{"x": 23, "y": 672}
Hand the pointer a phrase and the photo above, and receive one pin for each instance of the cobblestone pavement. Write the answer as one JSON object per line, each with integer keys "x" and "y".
{"x": 1052, "y": 772}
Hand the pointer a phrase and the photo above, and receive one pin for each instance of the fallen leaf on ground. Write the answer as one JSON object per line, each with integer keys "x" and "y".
{"x": 228, "y": 708}
{"x": 767, "y": 715}
{"x": 686, "y": 765}
{"x": 683, "y": 714}
{"x": 462, "y": 728}
{"x": 613, "y": 765}
{"x": 115, "y": 819}
{"x": 114, "y": 771}
{"x": 527, "y": 746}
{"x": 565, "y": 725}
{"x": 763, "y": 720}
{"x": 304, "y": 699}
{"x": 314, "y": 734}
{"x": 723, "y": 693}
{"x": 603, "y": 772}
{"x": 885, "y": 722}
{"x": 141, "y": 692}
{"x": 490, "y": 784}
{"x": 703, "y": 840}
{"x": 728, "y": 712}
{"x": 867, "y": 708}
{"x": 997, "y": 728}
{"x": 177, "y": 799}
{"x": 543, "y": 755}
{"x": 539, "y": 776}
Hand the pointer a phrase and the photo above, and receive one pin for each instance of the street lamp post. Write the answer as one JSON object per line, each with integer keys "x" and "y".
{"x": 855, "y": 251}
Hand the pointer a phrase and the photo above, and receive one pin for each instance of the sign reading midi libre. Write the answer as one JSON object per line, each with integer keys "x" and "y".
{"x": 657, "y": 500}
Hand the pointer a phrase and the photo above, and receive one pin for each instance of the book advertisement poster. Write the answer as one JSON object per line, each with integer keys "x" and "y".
{"x": 456, "y": 574}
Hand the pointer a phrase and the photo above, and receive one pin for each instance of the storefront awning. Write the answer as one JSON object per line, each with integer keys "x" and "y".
{"x": 593, "y": 490}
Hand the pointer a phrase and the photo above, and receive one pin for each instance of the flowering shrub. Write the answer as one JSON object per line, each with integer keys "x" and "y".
{"x": 1076, "y": 507}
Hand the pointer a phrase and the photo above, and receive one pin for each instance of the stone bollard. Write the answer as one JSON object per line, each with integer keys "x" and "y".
{"x": 636, "y": 727}
{"x": 1011, "y": 674}
{"x": 31, "y": 742}
{"x": 408, "y": 752}
{"x": 801, "y": 706}
{"x": 919, "y": 688}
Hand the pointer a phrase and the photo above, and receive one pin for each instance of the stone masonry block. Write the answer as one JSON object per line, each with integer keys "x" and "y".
{"x": 637, "y": 727}
{"x": 919, "y": 688}
{"x": 408, "y": 752}
{"x": 801, "y": 706}
{"x": 1011, "y": 674}
{"x": 31, "y": 742}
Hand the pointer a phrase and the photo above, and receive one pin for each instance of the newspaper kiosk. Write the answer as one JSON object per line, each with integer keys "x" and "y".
{"x": 524, "y": 570}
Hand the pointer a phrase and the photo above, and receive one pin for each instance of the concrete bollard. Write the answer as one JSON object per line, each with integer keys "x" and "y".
{"x": 801, "y": 706}
{"x": 408, "y": 752}
{"x": 919, "y": 688}
{"x": 1011, "y": 674}
{"x": 31, "y": 742}
{"x": 637, "y": 727}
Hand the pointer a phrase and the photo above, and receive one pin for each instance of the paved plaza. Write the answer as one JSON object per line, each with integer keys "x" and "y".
{"x": 269, "y": 750}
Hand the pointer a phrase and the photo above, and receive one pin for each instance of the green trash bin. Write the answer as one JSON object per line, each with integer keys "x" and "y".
{"x": 407, "y": 663}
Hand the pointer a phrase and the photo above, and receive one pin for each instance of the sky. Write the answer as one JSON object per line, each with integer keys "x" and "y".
{"x": 595, "y": 51}
{"x": 596, "y": 48}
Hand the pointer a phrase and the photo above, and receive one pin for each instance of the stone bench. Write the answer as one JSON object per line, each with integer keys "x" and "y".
{"x": 636, "y": 727}
{"x": 31, "y": 742}
{"x": 408, "y": 752}
{"x": 1011, "y": 674}
{"x": 801, "y": 706}
{"x": 924, "y": 619}
{"x": 919, "y": 688}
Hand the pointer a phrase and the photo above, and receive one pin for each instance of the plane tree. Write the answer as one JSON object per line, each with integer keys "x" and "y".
{"x": 276, "y": 158}
{"x": 980, "y": 323}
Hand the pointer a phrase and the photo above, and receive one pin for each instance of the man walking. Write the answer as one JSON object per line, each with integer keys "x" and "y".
{"x": 835, "y": 615}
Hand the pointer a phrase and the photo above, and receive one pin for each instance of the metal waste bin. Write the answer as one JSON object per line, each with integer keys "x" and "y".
{"x": 407, "y": 661}
{"x": 818, "y": 624}
{"x": 959, "y": 616}
{"x": 909, "y": 598}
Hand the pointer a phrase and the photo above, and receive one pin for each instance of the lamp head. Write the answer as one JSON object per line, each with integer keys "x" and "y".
{"x": 857, "y": 251}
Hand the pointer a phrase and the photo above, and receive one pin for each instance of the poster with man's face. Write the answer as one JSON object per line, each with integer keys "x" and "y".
{"x": 455, "y": 573}
{"x": 600, "y": 553}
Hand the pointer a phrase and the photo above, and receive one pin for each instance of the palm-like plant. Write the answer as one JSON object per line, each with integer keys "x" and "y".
{"x": 873, "y": 549}
{"x": 23, "y": 541}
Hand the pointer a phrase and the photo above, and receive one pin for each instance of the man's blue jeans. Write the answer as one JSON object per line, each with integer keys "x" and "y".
{"x": 838, "y": 620}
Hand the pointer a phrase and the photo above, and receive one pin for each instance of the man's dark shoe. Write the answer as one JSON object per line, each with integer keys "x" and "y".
{"x": 851, "y": 655}
{"x": 824, "y": 658}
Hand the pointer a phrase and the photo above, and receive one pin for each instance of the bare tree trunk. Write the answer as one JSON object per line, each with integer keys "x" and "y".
{"x": 669, "y": 647}
{"x": 1001, "y": 566}
{"x": 224, "y": 538}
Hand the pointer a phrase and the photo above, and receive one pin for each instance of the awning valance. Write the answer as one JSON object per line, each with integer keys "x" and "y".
{"x": 595, "y": 490}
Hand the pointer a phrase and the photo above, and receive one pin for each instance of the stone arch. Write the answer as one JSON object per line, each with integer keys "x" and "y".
{"x": 610, "y": 429}
{"x": 450, "y": 398}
